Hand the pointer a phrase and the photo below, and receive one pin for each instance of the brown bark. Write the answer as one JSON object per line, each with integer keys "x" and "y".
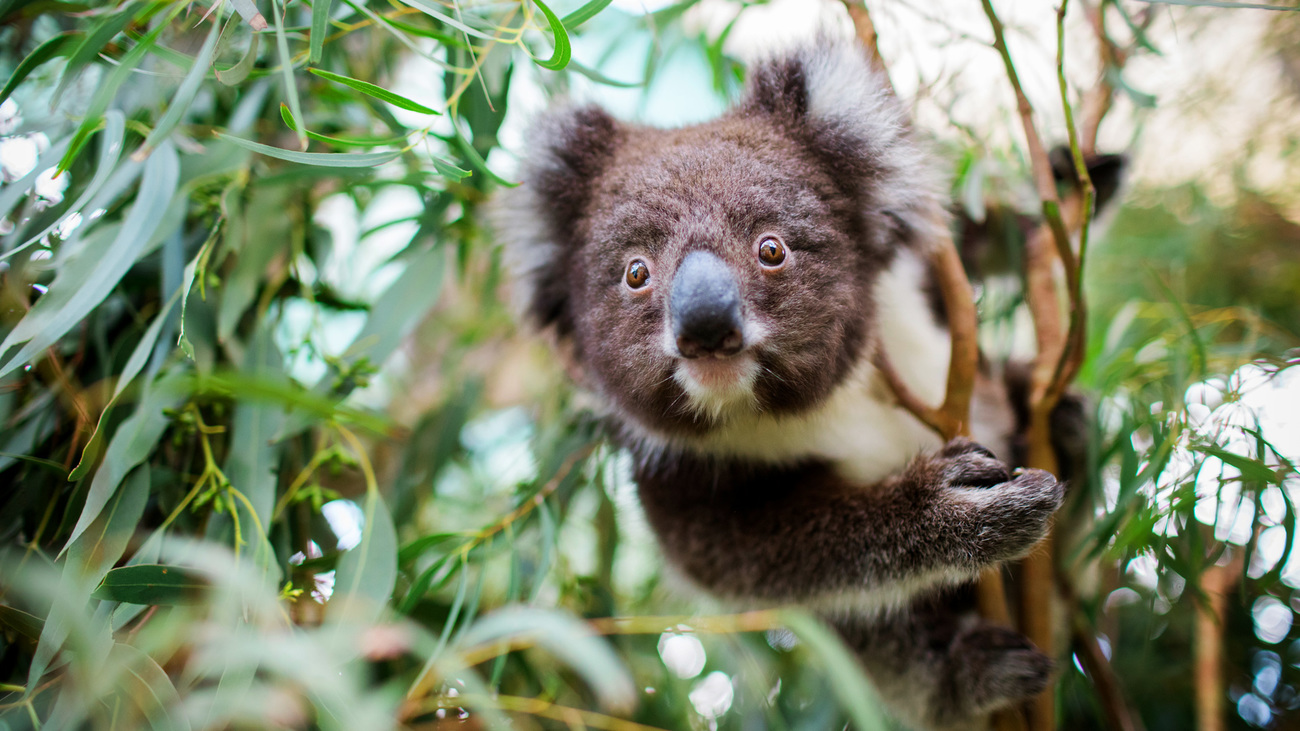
{"x": 1216, "y": 582}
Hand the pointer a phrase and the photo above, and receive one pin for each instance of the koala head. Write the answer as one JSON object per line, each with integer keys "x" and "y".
{"x": 698, "y": 274}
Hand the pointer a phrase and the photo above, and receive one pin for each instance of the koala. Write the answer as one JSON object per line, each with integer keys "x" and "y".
{"x": 721, "y": 290}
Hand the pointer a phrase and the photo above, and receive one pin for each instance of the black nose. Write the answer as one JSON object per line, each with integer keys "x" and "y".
{"x": 705, "y": 307}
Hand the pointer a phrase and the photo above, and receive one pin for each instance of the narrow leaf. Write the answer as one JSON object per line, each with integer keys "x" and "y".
{"x": 366, "y": 574}
{"x": 185, "y": 93}
{"x": 89, "y": 557}
{"x": 134, "y": 365}
{"x": 584, "y": 13}
{"x": 320, "y": 22}
{"x": 378, "y": 92}
{"x": 151, "y": 584}
{"x": 401, "y": 307}
{"x": 148, "y": 686}
{"x": 71, "y": 298}
{"x": 248, "y": 11}
{"x": 847, "y": 680}
{"x": 320, "y": 159}
{"x": 13, "y": 193}
{"x": 568, "y": 639}
{"x": 286, "y": 68}
{"x": 110, "y": 149}
{"x": 563, "y": 50}
{"x": 435, "y": 11}
{"x": 134, "y": 441}
{"x": 57, "y": 46}
{"x": 237, "y": 73}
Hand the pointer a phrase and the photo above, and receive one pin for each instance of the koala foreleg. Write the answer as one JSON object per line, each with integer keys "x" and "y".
{"x": 802, "y": 532}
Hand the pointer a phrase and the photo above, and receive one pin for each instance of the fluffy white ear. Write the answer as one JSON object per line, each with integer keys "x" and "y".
{"x": 567, "y": 150}
{"x": 861, "y": 129}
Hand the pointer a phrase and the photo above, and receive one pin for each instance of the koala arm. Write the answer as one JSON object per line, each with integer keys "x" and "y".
{"x": 796, "y": 533}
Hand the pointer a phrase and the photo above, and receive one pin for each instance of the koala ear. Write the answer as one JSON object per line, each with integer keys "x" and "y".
{"x": 540, "y": 221}
{"x": 832, "y": 86}
{"x": 828, "y": 96}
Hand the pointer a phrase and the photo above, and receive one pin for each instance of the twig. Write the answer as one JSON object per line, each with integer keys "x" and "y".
{"x": 1058, "y": 351}
{"x": 952, "y": 418}
{"x": 866, "y": 32}
{"x": 1216, "y": 582}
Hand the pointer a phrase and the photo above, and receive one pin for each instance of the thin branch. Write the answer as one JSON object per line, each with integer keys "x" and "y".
{"x": 866, "y": 32}
{"x": 1216, "y": 582}
{"x": 1118, "y": 711}
{"x": 1054, "y": 353}
{"x": 952, "y": 418}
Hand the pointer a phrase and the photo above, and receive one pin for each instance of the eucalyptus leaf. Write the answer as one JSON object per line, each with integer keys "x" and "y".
{"x": 366, "y": 574}
{"x": 77, "y": 290}
{"x": 378, "y": 92}
{"x": 151, "y": 584}
{"x": 568, "y": 639}
{"x": 322, "y": 159}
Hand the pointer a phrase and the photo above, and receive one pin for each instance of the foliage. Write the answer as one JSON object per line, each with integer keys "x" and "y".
{"x": 262, "y": 457}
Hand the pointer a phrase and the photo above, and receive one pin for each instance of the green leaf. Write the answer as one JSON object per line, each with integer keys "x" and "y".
{"x": 186, "y": 92}
{"x": 291, "y": 123}
{"x": 584, "y": 13}
{"x": 1252, "y": 470}
{"x": 134, "y": 365}
{"x": 151, "y": 584}
{"x": 110, "y": 150}
{"x": 236, "y": 74}
{"x": 847, "y": 680}
{"x": 148, "y": 686}
{"x": 20, "y": 622}
{"x": 320, "y": 159}
{"x": 417, "y": 547}
{"x": 293, "y": 397}
{"x": 600, "y": 78}
{"x": 476, "y": 160}
{"x": 253, "y": 458}
{"x": 448, "y": 170}
{"x": 135, "y": 439}
{"x": 248, "y": 11}
{"x": 54, "y": 47}
{"x": 435, "y": 11}
{"x": 320, "y": 23}
{"x": 107, "y": 90}
{"x": 80, "y": 287}
{"x": 570, "y": 640}
{"x": 366, "y": 574}
{"x": 365, "y": 87}
{"x": 401, "y": 307}
{"x": 89, "y": 557}
{"x": 47, "y": 463}
{"x": 286, "y": 67}
{"x": 563, "y": 50}
{"x": 94, "y": 42}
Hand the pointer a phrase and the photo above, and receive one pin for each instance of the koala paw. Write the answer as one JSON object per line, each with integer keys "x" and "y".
{"x": 993, "y": 667}
{"x": 1007, "y": 514}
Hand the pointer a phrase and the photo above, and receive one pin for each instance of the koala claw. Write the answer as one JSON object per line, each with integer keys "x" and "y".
{"x": 994, "y": 667}
{"x": 1009, "y": 511}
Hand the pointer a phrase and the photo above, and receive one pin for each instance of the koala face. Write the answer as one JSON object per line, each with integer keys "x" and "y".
{"x": 701, "y": 274}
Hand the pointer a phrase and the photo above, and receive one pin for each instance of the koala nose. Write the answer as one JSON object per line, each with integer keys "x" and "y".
{"x": 704, "y": 305}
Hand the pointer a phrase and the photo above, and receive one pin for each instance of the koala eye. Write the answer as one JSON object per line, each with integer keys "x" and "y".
{"x": 771, "y": 252}
{"x": 638, "y": 274}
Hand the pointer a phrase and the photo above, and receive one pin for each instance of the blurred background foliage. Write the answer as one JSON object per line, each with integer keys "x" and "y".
{"x": 274, "y": 454}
